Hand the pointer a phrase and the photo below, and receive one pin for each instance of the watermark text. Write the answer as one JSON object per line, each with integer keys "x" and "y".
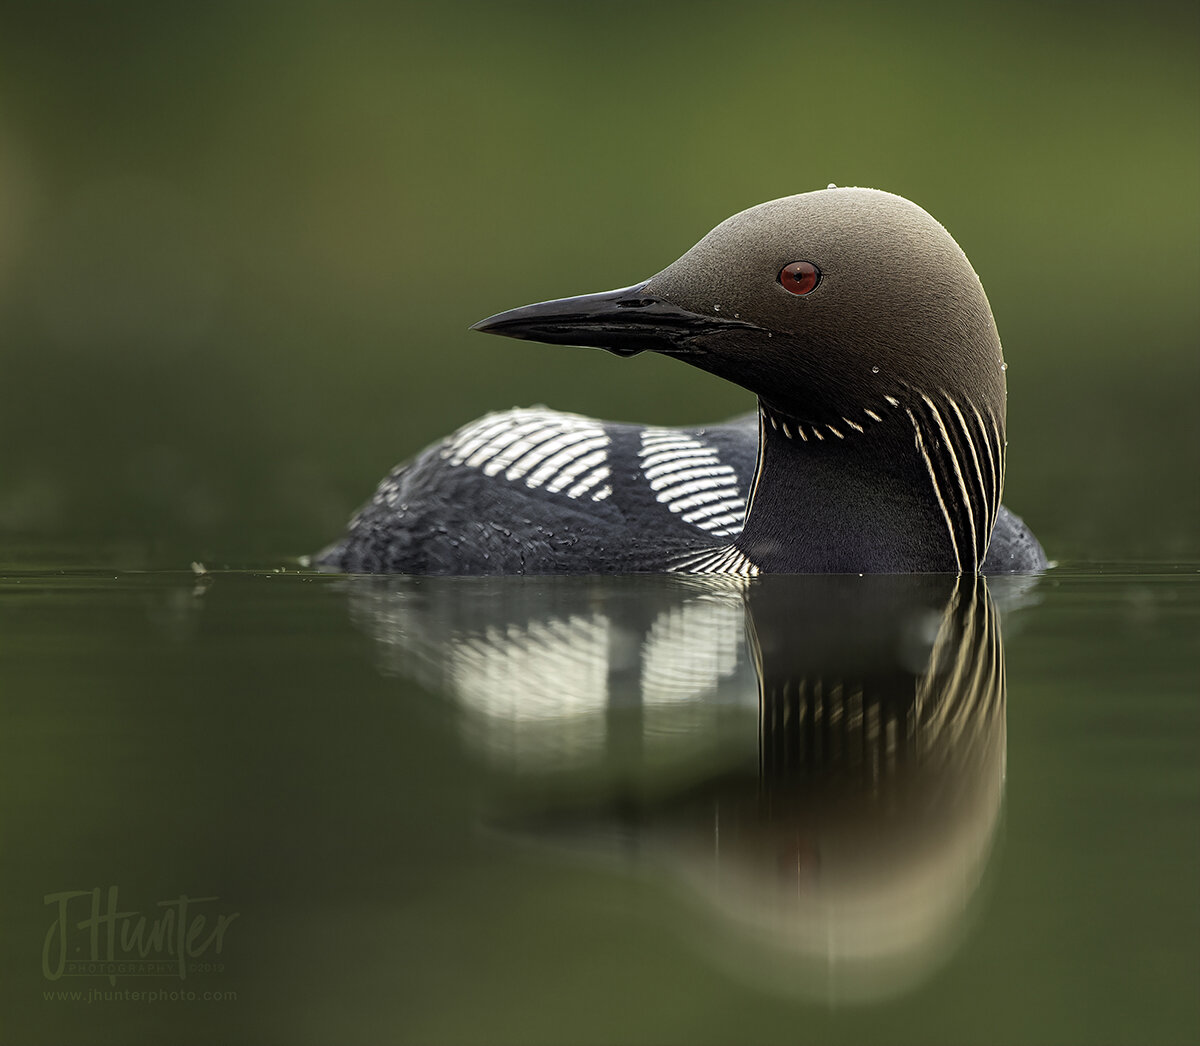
{"x": 90, "y": 936}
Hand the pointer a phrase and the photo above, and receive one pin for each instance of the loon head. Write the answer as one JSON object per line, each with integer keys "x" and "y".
{"x": 826, "y": 305}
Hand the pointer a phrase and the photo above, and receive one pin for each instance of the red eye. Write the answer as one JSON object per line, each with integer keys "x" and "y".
{"x": 799, "y": 277}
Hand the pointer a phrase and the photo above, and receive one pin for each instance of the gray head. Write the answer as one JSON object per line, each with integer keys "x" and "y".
{"x": 885, "y": 305}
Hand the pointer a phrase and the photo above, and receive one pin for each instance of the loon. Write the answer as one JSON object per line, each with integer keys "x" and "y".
{"x": 878, "y": 445}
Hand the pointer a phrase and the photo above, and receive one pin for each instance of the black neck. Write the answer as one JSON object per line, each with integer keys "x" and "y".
{"x": 913, "y": 486}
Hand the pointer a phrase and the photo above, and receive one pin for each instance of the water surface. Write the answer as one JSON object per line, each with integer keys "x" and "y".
{"x": 600, "y": 810}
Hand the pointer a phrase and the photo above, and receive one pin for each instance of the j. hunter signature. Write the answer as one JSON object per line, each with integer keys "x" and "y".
{"x": 126, "y": 941}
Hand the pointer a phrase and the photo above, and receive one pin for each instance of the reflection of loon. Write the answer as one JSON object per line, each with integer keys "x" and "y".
{"x": 882, "y": 747}
{"x": 559, "y": 674}
{"x": 831, "y": 786}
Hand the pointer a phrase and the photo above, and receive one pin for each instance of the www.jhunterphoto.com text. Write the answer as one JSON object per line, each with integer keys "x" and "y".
{"x": 103, "y": 995}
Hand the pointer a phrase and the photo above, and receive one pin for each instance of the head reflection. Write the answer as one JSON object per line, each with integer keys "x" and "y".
{"x": 820, "y": 759}
{"x": 881, "y": 740}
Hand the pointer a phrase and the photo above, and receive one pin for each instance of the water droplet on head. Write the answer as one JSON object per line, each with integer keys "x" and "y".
{"x": 1004, "y": 366}
{"x": 874, "y": 370}
{"x": 716, "y": 308}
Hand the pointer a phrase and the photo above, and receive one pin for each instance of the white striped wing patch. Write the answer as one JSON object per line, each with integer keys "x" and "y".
{"x": 686, "y": 475}
{"x": 565, "y": 453}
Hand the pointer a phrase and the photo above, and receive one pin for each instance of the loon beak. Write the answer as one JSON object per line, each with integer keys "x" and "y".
{"x": 625, "y": 321}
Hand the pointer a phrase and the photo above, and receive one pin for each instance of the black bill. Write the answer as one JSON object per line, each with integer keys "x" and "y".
{"x": 625, "y": 321}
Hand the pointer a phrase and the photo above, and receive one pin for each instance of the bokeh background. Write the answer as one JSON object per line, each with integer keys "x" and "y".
{"x": 241, "y": 244}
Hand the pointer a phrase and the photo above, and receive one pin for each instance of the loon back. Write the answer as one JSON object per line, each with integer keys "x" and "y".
{"x": 878, "y": 445}
{"x": 537, "y": 491}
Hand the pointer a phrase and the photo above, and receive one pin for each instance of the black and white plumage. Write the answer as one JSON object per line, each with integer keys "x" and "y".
{"x": 542, "y": 491}
{"x": 878, "y": 445}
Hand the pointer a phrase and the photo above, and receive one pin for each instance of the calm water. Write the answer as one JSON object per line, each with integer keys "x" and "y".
{"x": 642, "y": 810}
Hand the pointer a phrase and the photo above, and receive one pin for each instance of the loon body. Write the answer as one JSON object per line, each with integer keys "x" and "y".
{"x": 878, "y": 445}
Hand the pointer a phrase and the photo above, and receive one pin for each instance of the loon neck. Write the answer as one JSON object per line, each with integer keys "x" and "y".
{"x": 910, "y": 486}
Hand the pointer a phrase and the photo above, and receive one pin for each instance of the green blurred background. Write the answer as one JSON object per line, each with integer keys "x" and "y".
{"x": 241, "y": 244}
